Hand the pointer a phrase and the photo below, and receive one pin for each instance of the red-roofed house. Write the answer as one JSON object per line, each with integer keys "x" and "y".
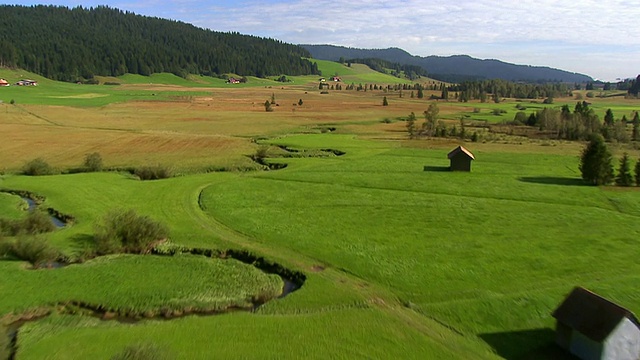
{"x": 4, "y": 82}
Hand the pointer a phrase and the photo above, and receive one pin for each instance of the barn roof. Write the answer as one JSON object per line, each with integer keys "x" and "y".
{"x": 592, "y": 315}
{"x": 460, "y": 149}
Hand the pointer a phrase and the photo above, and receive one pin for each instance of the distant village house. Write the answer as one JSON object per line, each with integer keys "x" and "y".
{"x": 233, "y": 81}
{"x": 336, "y": 78}
{"x": 592, "y": 327}
{"x": 460, "y": 159}
{"x": 27, "y": 83}
{"x": 4, "y": 82}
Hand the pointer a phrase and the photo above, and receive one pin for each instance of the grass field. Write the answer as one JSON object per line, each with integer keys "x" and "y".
{"x": 403, "y": 259}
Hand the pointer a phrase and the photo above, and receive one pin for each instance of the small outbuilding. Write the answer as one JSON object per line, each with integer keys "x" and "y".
{"x": 460, "y": 159}
{"x": 4, "y": 82}
{"x": 592, "y": 327}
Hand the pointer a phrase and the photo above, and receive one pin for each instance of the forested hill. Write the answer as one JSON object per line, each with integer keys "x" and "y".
{"x": 452, "y": 68}
{"x": 67, "y": 44}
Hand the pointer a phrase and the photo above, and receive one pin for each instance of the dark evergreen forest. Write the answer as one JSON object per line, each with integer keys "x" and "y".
{"x": 71, "y": 44}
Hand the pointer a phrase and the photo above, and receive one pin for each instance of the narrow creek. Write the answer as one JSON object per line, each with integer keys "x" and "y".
{"x": 59, "y": 223}
{"x": 292, "y": 281}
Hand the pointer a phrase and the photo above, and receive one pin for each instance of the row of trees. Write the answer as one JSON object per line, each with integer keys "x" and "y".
{"x": 596, "y": 165}
{"x": 480, "y": 90}
{"x": 436, "y": 128}
{"x": 580, "y": 124}
{"x": 72, "y": 44}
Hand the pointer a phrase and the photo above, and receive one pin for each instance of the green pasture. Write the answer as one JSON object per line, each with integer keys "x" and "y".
{"x": 440, "y": 264}
{"x": 509, "y": 109}
{"x": 493, "y": 251}
{"x": 50, "y": 92}
{"x": 12, "y": 206}
{"x": 137, "y": 284}
{"x": 403, "y": 258}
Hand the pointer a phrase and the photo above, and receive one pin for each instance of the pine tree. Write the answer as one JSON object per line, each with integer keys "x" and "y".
{"x": 595, "y": 162}
{"x": 385, "y": 102}
{"x": 609, "y": 118}
{"x": 624, "y": 177}
{"x": 411, "y": 125}
{"x": 637, "y": 172}
{"x": 636, "y": 125}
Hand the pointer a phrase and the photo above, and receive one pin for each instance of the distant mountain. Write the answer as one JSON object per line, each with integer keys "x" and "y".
{"x": 68, "y": 44}
{"x": 455, "y": 68}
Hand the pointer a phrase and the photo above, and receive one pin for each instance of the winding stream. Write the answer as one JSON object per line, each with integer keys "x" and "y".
{"x": 54, "y": 219}
{"x": 292, "y": 281}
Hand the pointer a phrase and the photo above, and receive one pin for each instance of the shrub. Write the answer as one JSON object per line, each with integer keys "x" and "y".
{"x": 37, "y": 167}
{"x": 34, "y": 249}
{"x": 261, "y": 154}
{"x": 153, "y": 172}
{"x": 12, "y": 102}
{"x": 267, "y": 106}
{"x": 37, "y": 222}
{"x": 93, "y": 162}
{"x": 476, "y": 110}
{"x": 126, "y": 231}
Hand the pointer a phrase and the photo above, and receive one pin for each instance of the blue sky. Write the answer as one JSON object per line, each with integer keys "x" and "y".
{"x": 598, "y": 38}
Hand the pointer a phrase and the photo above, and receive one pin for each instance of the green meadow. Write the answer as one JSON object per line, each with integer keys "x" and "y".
{"x": 402, "y": 258}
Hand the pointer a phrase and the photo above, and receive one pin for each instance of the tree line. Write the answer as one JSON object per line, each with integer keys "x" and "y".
{"x": 596, "y": 165}
{"x": 480, "y": 90}
{"x": 71, "y": 44}
{"x": 580, "y": 123}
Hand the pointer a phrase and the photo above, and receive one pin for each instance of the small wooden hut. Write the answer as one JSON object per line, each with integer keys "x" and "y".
{"x": 460, "y": 159}
{"x": 592, "y": 327}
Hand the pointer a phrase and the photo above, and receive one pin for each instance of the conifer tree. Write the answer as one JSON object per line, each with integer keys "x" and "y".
{"x": 624, "y": 177}
{"x": 595, "y": 162}
{"x": 636, "y": 127}
{"x": 411, "y": 125}
{"x": 385, "y": 102}
{"x": 637, "y": 172}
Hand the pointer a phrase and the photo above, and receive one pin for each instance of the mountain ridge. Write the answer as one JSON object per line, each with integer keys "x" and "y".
{"x": 452, "y": 68}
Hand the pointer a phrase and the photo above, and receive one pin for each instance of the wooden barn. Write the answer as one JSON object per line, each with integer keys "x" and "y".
{"x": 592, "y": 327}
{"x": 460, "y": 159}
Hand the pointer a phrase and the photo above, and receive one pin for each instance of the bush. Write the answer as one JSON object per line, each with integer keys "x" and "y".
{"x": 126, "y": 231}
{"x": 34, "y": 249}
{"x": 153, "y": 172}
{"x": 93, "y": 162}
{"x": 37, "y": 167}
{"x": 37, "y": 222}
